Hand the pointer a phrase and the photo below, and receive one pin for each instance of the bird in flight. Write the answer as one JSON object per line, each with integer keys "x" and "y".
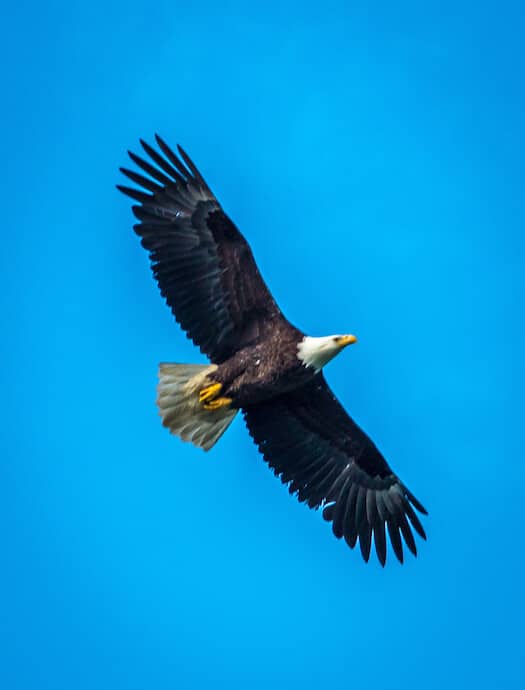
{"x": 261, "y": 364}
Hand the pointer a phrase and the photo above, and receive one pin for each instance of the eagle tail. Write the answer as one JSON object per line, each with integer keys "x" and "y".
{"x": 181, "y": 409}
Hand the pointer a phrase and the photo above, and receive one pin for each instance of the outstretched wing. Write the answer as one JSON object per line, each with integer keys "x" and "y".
{"x": 203, "y": 265}
{"x": 311, "y": 443}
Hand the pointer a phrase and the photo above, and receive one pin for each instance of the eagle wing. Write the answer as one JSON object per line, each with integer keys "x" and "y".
{"x": 312, "y": 444}
{"x": 203, "y": 265}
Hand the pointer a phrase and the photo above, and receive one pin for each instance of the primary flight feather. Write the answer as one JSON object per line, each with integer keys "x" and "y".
{"x": 260, "y": 363}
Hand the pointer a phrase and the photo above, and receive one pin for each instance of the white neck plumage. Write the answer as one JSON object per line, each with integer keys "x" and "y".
{"x": 316, "y": 352}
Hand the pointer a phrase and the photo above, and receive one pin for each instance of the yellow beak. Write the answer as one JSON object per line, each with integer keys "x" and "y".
{"x": 345, "y": 340}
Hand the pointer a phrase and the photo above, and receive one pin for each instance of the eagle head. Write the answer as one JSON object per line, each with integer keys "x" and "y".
{"x": 316, "y": 352}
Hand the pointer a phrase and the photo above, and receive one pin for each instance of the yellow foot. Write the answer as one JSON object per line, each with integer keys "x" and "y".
{"x": 217, "y": 403}
{"x": 210, "y": 392}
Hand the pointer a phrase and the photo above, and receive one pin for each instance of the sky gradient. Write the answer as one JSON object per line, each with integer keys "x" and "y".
{"x": 373, "y": 155}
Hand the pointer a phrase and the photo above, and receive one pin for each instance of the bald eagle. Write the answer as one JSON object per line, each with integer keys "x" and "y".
{"x": 260, "y": 363}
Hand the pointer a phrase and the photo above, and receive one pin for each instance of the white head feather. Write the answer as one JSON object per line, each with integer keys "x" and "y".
{"x": 316, "y": 352}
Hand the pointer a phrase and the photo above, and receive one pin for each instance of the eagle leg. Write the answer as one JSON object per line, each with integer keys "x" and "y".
{"x": 209, "y": 392}
{"x": 217, "y": 403}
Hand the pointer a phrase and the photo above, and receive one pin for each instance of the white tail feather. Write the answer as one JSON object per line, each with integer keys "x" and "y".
{"x": 180, "y": 409}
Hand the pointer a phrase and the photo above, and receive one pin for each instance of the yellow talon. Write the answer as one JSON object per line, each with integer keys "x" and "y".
{"x": 210, "y": 392}
{"x": 217, "y": 403}
{"x": 209, "y": 400}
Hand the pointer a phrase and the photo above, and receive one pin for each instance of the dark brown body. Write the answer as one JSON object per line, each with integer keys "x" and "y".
{"x": 264, "y": 370}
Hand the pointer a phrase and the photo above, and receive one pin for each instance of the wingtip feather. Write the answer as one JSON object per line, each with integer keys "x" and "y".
{"x": 417, "y": 505}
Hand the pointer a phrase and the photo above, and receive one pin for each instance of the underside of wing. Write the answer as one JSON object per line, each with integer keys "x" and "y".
{"x": 323, "y": 456}
{"x": 203, "y": 265}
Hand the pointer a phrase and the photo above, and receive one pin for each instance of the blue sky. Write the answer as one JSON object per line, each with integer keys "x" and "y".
{"x": 372, "y": 153}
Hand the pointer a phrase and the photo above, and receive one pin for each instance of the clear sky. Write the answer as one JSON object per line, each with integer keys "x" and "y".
{"x": 373, "y": 155}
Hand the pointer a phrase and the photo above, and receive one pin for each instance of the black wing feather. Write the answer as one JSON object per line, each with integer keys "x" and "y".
{"x": 311, "y": 443}
{"x": 380, "y": 541}
{"x": 151, "y": 170}
{"x": 134, "y": 194}
{"x": 172, "y": 157}
{"x": 203, "y": 265}
{"x": 161, "y": 162}
{"x": 141, "y": 180}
